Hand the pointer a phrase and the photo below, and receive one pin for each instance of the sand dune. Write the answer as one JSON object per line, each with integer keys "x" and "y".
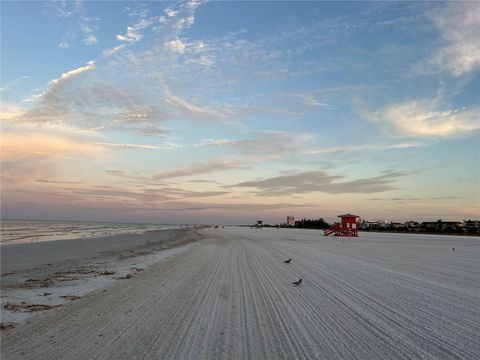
{"x": 230, "y": 297}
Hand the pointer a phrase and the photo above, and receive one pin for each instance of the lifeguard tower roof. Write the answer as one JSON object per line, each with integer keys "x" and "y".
{"x": 347, "y": 215}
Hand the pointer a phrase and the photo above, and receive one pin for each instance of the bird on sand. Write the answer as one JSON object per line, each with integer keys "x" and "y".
{"x": 453, "y": 249}
{"x": 297, "y": 283}
{"x": 287, "y": 261}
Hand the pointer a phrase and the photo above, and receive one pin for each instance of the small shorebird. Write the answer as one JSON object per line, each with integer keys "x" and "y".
{"x": 287, "y": 261}
{"x": 297, "y": 283}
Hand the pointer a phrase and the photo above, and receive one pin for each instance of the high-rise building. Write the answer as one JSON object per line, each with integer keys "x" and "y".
{"x": 290, "y": 220}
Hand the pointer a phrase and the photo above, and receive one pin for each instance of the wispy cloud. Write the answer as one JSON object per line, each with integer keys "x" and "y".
{"x": 133, "y": 32}
{"x": 426, "y": 119}
{"x": 207, "y": 167}
{"x": 197, "y": 111}
{"x": 263, "y": 144}
{"x": 52, "y": 146}
{"x": 417, "y": 199}
{"x": 55, "y": 103}
{"x": 29, "y": 156}
{"x": 459, "y": 26}
{"x": 185, "y": 206}
{"x": 9, "y": 112}
{"x": 321, "y": 181}
{"x": 114, "y": 50}
{"x": 364, "y": 147}
{"x": 166, "y": 146}
{"x": 73, "y": 15}
{"x": 151, "y": 131}
{"x": 88, "y": 37}
{"x": 310, "y": 100}
{"x": 58, "y": 83}
{"x": 13, "y": 83}
{"x": 90, "y": 66}
{"x": 176, "y": 46}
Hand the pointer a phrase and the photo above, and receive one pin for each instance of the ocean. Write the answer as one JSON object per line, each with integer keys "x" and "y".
{"x": 30, "y": 231}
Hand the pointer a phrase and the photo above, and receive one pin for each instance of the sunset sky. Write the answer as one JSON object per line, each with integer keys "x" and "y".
{"x": 229, "y": 112}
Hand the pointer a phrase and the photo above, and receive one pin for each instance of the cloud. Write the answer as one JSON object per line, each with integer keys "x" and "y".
{"x": 10, "y": 85}
{"x": 138, "y": 11}
{"x": 249, "y": 207}
{"x": 63, "y": 9}
{"x": 417, "y": 199}
{"x": 425, "y": 119}
{"x": 264, "y": 144}
{"x": 166, "y": 146}
{"x": 151, "y": 131}
{"x": 90, "y": 66}
{"x": 170, "y": 12}
{"x": 133, "y": 32}
{"x": 87, "y": 28}
{"x": 9, "y": 112}
{"x": 197, "y": 111}
{"x": 20, "y": 145}
{"x": 73, "y": 16}
{"x": 57, "y": 84}
{"x": 459, "y": 27}
{"x": 366, "y": 147}
{"x": 48, "y": 181}
{"x": 310, "y": 100}
{"x": 197, "y": 53}
{"x": 321, "y": 181}
{"x": 82, "y": 103}
{"x": 84, "y": 194}
{"x": 118, "y": 98}
{"x": 176, "y": 46}
{"x": 29, "y": 156}
{"x": 209, "y": 166}
{"x": 114, "y": 50}
{"x": 135, "y": 114}
{"x": 89, "y": 40}
{"x": 130, "y": 36}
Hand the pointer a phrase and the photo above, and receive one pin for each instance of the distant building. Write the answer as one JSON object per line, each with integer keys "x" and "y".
{"x": 368, "y": 225}
{"x": 397, "y": 225}
{"x": 412, "y": 225}
{"x": 384, "y": 224}
{"x": 471, "y": 226}
{"x": 290, "y": 220}
{"x": 439, "y": 225}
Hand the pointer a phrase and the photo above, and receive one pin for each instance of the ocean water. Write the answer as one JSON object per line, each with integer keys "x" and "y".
{"x": 30, "y": 231}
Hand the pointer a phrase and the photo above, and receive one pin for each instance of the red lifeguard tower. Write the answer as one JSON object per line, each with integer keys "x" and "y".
{"x": 347, "y": 227}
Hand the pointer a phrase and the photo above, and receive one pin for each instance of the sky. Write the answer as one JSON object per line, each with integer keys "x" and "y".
{"x": 229, "y": 112}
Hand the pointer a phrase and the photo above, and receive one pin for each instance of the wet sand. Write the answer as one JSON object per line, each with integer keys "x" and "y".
{"x": 19, "y": 257}
{"x": 40, "y": 276}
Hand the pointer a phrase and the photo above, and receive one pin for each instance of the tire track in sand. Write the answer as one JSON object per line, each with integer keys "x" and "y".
{"x": 230, "y": 297}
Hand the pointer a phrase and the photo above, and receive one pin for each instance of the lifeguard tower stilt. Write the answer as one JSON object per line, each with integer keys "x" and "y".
{"x": 347, "y": 227}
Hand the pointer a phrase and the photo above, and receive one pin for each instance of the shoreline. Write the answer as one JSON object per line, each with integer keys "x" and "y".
{"x": 22, "y": 256}
{"x": 30, "y": 231}
{"x": 40, "y": 276}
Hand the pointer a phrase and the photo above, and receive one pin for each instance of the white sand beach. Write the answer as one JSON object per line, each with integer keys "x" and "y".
{"x": 43, "y": 275}
{"x": 229, "y": 296}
